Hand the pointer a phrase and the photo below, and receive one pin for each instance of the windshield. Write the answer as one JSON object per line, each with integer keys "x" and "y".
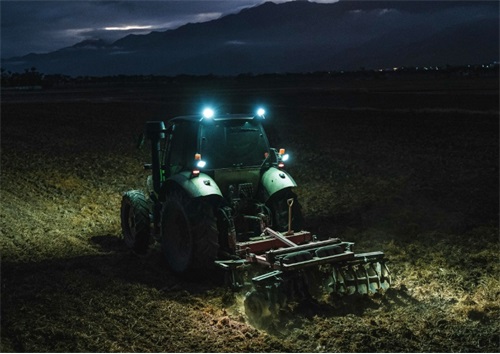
{"x": 233, "y": 143}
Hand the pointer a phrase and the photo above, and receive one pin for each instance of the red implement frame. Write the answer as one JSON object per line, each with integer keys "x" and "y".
{"x": 270, "y": 243}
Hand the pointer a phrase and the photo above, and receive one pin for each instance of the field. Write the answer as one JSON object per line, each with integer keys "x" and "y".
{"x": 406, "y": 166}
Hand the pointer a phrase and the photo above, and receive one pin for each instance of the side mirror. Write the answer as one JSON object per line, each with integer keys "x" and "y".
{"x": 155, "y": 130}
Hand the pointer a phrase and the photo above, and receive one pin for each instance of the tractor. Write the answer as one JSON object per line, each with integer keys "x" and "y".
{"x": 219, "y": 196}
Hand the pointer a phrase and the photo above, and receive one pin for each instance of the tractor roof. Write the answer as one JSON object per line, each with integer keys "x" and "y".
{"x": 222, "y": 117}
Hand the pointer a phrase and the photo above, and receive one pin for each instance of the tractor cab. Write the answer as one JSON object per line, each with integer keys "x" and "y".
{"x": 233, "y": 141}
{"x": 220, "y": 142}
{"x": 230, "y": 149}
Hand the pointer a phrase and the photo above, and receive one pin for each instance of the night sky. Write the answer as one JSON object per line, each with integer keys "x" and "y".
{"x": 283, "y": 37}
{"x": 43, "y": 26}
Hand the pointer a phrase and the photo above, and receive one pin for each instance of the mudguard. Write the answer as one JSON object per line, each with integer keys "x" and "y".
{"x": 200, "y": 186}
{"x": 274, "y": 180}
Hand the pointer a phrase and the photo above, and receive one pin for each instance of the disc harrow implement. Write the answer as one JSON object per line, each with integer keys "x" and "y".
{"x": 276, "y": 269}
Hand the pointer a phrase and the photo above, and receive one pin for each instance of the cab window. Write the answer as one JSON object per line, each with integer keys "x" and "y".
{"x": 233, "y": 143}
{"x": 182, "y": 147}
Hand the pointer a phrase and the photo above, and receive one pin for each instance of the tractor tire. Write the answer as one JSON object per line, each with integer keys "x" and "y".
{"x": 189, "y": 234}
{"x": 279, "y": 208}
{"x": 135, "y": 221}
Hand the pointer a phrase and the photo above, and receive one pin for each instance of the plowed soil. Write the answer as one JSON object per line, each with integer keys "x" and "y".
{"x": 406, "y": 167}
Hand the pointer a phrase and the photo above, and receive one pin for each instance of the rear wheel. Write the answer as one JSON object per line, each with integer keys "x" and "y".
{"x": 189, "y": 234}
{"x": 134, "y": 215}
{"x": 177, "y": 242}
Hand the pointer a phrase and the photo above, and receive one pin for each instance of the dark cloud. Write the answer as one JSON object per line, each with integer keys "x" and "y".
{"x": 42, "y": 26}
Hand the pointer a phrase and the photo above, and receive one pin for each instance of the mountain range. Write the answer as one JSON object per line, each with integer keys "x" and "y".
{"x": 293, "y": 37}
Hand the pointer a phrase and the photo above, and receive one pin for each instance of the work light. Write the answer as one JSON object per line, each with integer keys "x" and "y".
{"x": 208, "y": 113}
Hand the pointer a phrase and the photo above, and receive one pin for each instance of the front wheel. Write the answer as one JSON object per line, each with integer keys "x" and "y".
{"x": 134, "y": 215}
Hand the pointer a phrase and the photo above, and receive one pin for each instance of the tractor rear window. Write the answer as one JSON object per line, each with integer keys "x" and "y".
{"x": 233, "y": 143}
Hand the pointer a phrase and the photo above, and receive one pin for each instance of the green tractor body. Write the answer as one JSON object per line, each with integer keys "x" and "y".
{"x": 218, "y": 195}
{"x": 222, "y": 175}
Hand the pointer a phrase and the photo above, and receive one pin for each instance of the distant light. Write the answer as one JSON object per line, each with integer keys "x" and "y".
{"x": 285, "y": 157}
{"x": 261, "y": 112}
{"x": 201, "y": 164}
{"x": 208, "y": 113}
{"x": 127, "y": 28}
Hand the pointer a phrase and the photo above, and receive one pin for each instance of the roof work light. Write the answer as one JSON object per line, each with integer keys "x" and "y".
{"x": 208, "y": 113}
